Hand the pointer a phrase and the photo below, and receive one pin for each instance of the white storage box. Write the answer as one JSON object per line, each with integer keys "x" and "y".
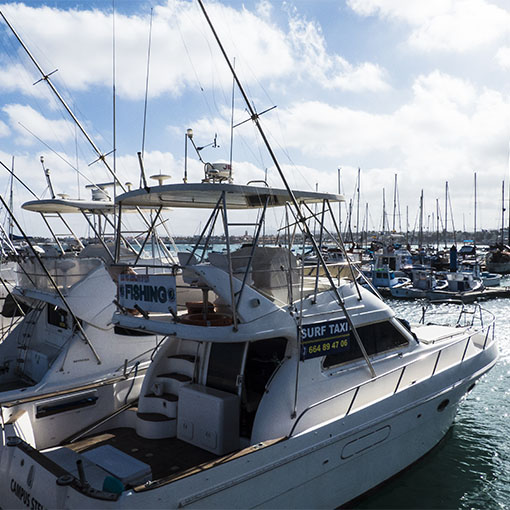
{"x": 127, "y": 469}
{"x": 208, "y": 418}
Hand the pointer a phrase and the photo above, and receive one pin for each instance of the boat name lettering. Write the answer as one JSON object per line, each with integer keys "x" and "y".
{"x": 324, "y": 338}
{"x": 24, "y": 496}
{"x": 154, "y": 293}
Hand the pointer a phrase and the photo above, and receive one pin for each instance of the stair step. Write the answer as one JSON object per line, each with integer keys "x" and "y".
{"x": 186, "y": 357}
{"x": 155, "y": 426}
{"x": 169, "y": 397}
{"x": 178, "y": 377}
{"x": 154, "y": 417}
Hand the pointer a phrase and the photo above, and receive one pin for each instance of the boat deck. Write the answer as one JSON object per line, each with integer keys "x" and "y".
{"x": 166, "y": 457}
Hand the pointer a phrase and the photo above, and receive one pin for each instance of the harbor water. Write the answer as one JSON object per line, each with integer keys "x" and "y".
{"x": 470, "y": 469}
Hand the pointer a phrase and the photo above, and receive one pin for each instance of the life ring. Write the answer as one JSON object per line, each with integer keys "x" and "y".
{"x": 211, "y": 319}
{"x": 198, "y": 307}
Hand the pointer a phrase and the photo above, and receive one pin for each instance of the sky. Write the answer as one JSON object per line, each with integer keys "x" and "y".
{"x": 416, "y": 89}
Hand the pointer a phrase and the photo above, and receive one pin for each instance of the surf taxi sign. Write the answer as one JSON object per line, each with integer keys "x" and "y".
{"x": 323, "y": 338}
{"x": 151, "y": 292}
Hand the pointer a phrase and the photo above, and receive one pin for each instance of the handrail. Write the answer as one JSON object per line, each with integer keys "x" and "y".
{"x": 402, "y": 368}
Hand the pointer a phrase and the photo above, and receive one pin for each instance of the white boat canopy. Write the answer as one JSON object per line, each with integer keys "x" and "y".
{"x": 206, "y": 195}
{"x": 66, "y": 205}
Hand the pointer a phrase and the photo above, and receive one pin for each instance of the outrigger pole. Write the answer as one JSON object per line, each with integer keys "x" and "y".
{"x": 301, "y": 218}
{"x": 76, "y": 321}
{"x": 100, "y": 155}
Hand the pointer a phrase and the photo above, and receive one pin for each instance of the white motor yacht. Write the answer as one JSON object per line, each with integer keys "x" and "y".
{"x": 65, "y": 365}
{"x": 278, "y": 390}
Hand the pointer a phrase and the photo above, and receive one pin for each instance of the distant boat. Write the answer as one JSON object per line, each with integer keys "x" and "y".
{"x": 497, "y": 259}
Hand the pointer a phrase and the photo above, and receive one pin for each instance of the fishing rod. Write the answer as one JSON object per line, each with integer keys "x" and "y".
{"x": 100, "y": 155}
{"x": 304, "y": 225}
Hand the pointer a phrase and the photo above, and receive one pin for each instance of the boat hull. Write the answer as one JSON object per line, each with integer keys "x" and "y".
{"x": 321, "y": 468}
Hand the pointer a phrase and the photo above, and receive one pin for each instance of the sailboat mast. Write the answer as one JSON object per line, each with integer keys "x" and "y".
{"x": 366, "y": 225}
{"x": 474, "y": 235}
{"x": 446, "y": 215}
{"x": 357, "y": 209}
{"x": 502, "y": 211}
{"x": 437, "y": 223}
{"x": 407, "y": 224}
{"x": 420, "y": 237}
{"x": 394, "y": 202}
{"x": 383, "y": 211}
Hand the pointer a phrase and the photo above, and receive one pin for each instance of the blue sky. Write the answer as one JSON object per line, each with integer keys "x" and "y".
{"x": 409, "y": 87}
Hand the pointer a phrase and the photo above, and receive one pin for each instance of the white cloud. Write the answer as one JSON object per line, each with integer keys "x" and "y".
{"x": 445, "y": 25}
{"x": 16, "y": 77}
{"x": 331, "y": 71}
{"x": 503, "y": 58}
{"x": 183, "y": 52}
{"x": 46, "y": 129}
{"x": 446, "y": 131}
{"x": 4, "y": 129}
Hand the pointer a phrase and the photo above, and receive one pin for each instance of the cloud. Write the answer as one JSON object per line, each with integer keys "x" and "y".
{"x": 4, "y": 129}
{"x": 503, "y": 58}
{"x": 183, "y": 51}
{"x": 448, "y": 129}
{"x": 442, "y": 25}
{"x": 15, "y": 77}
{"x": 331, "y": 71}
{"x": 46, "y": 129}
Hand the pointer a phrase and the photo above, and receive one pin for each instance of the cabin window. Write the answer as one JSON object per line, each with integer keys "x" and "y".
{"x": 57, "y": 316}
{"x": 376, "y": 338}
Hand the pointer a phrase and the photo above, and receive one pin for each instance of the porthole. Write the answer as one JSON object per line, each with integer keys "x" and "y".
{"x": 471, "y": 387}
{"x": 442, "y": 406}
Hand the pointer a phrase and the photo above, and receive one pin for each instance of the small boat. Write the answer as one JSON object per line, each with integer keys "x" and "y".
{"x": 490, "y": 279}
{"x": 460, "y": 286}
{"x": 423, "y": 281}
{"x": 497, "y": 259}
{"x": 384, "y": 278}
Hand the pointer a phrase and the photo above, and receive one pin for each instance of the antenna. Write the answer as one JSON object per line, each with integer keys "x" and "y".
{"x": 232, "y": 122}
{"x": 48, "y": 179}
{"x": 114, "y": 102}
{"x": 11, "y": 201}
{"x": 147, "y": 85}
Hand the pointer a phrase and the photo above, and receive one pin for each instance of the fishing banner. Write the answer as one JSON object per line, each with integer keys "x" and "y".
{"x": 152, "y": 293}
{"x": 324, "y": 338}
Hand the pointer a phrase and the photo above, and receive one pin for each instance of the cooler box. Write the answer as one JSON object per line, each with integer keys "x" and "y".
{"x": 127, "y": 469}
{"x": 208, "y": 418}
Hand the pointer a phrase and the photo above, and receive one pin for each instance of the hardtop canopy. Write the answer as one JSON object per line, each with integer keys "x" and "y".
{"x": 206, "y": 195}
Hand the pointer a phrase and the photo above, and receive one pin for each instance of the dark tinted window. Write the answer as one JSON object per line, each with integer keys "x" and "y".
{"x": 57, "y": 316}
{"x": 376, "y": 338}
{"x": 225, "y": 361}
